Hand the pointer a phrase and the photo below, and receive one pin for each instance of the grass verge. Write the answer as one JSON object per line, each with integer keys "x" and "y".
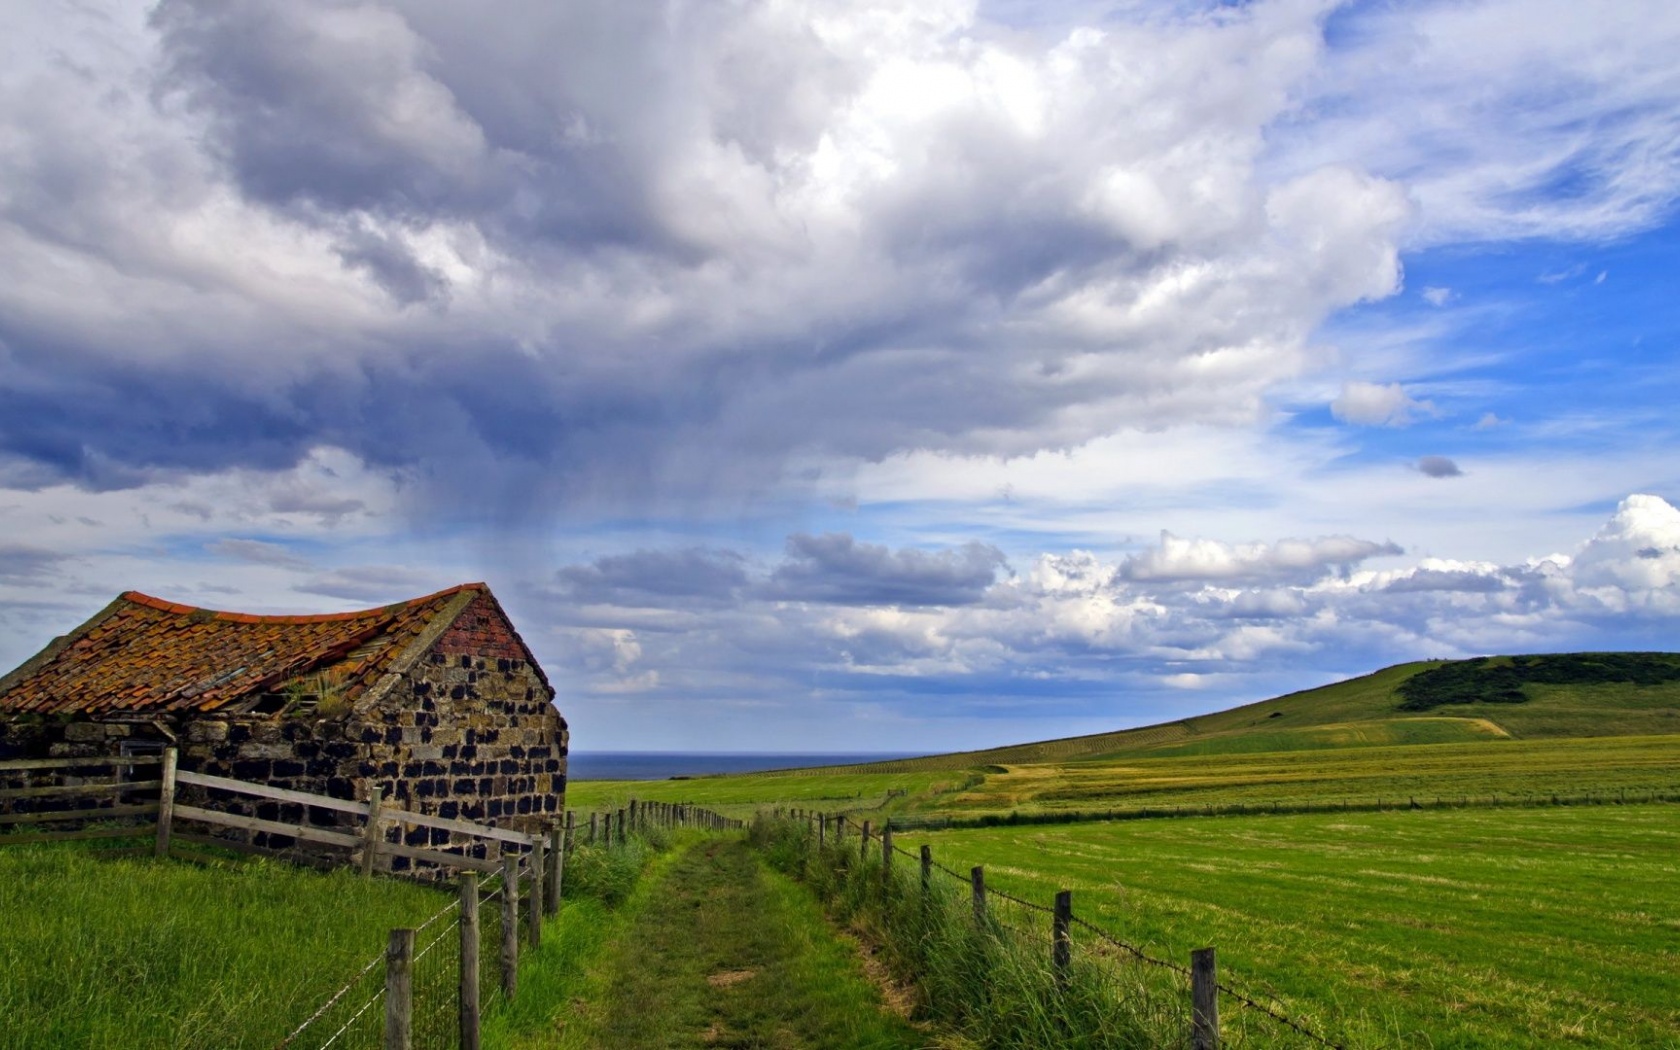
{"x": 989, "y": 982}
{"x": 600, "y": 881}
{"x": 141, "y": 953}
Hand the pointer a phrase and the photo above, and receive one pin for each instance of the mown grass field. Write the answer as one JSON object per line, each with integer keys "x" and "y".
{"x": 1507, "y": 768}
{"x": 1510, "y": 768}
{"x": 141, "y": 953}
{"x": 1438, "y": 929}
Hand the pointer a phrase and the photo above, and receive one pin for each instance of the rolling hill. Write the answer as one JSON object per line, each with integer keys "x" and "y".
{"x": 1428, "y": 702}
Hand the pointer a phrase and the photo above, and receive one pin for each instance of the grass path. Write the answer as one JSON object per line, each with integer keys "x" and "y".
{"x": 718, "y": 951}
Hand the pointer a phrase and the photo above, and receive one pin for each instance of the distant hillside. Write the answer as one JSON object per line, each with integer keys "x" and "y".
{"x": 1451, "y": 701}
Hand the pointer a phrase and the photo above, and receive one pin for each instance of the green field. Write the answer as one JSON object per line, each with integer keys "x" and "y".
{"x": 1511, "y": 770}
{"x": 1515, "y": 727}
{"x": 741, "y": 795}
{"x": 1452, "y": 928}
{"x": 142, "y": 953}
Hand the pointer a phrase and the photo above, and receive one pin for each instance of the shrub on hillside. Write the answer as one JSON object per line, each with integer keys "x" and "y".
{"x": 1500, "y": 680}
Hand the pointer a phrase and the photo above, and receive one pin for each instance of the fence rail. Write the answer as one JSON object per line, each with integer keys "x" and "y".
{"x": 102, "y": 806}
{"x": 429, "y": 984}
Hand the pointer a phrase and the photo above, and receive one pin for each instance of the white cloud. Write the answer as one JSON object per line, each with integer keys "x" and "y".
{"x": 1377, "y": 404}
{"x": 1482, "y": 108}
{"x": 1178, "y": 559}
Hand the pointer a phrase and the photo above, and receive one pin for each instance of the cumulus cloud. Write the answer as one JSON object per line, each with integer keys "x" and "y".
{"x": 588, "y": 259}
{"x": 1438, "y": 467}
{"x": 1177, "y": 559}
{"x": 1637, "y": 551}
{"x": 836, "y": 569}
{"x": 1377, "y": 405}
{"x": 1073, "y": 621}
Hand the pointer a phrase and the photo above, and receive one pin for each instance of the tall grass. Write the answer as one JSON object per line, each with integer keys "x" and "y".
{"x": 600, "y": 878}
{"x": 608, "y": 873}
{"x": 989, "y": 983}
{"x": 141, "y": 953}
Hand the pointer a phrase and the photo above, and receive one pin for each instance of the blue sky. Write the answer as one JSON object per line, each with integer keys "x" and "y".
{"x": 868, "y": 376}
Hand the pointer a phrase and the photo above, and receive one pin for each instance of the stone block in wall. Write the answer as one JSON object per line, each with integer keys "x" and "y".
{"x": 270, "y": 751}
{"x": 267, "y": 733}
{"x": 207, "y": 731}
{"x": 84, "y": 732}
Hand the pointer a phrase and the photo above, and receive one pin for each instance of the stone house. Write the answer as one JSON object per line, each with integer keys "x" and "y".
{"x": 437, "y": 700}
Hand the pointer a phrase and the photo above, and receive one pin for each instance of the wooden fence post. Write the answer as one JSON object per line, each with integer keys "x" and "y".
{"x": 592, "y": 818}
{"x": 556, "y": 866}
{"x": 510, "y": 925}
{"x": 1204, "y": 1000}
{"x": 534, "y": 910}
{"x": 370, "y": 832}
{"x": 467, "y": 998}
{"x": 399, "y": 990}
{"x": 977, "y": 880}
{"x": 822, "y": 830}
{"x": 1061, "y": 946}
{"x": 166, "y": 803}
{"x": 886, "y": 859}
{"x": 863, "y": 843}
{"x": 927, "y": 869}
{"x": 633, "y": 823}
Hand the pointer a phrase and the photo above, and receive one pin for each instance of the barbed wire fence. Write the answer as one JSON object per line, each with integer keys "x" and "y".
{"x": 1073, "y": 941}
{"x": 432, "y": 985}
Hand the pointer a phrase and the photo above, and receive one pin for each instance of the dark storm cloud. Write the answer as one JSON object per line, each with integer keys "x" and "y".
{"x": 836, "y": 569}
{"x": 1438, "y": 467}
{"x": 655, "y": 577}
{"x": 540, "y": 122}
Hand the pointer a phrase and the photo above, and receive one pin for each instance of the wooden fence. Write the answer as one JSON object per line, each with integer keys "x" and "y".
{"x": 104, "y": 791}
{"x": 486, "y": 935}
{"x": 101, "y": 793}
{"x": 125, "y": 797}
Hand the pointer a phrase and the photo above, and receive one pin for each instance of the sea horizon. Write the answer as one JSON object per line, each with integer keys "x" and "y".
{"x": 663, "y": 765}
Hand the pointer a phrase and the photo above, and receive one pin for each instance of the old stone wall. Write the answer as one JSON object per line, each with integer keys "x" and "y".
{"x": 468, "y": 732}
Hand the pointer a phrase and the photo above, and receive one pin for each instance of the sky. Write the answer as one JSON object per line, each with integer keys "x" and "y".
{"x": 854, "y": 376}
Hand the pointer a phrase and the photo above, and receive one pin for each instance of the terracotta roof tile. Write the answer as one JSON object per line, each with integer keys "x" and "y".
{"x": 143, "y": 655}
